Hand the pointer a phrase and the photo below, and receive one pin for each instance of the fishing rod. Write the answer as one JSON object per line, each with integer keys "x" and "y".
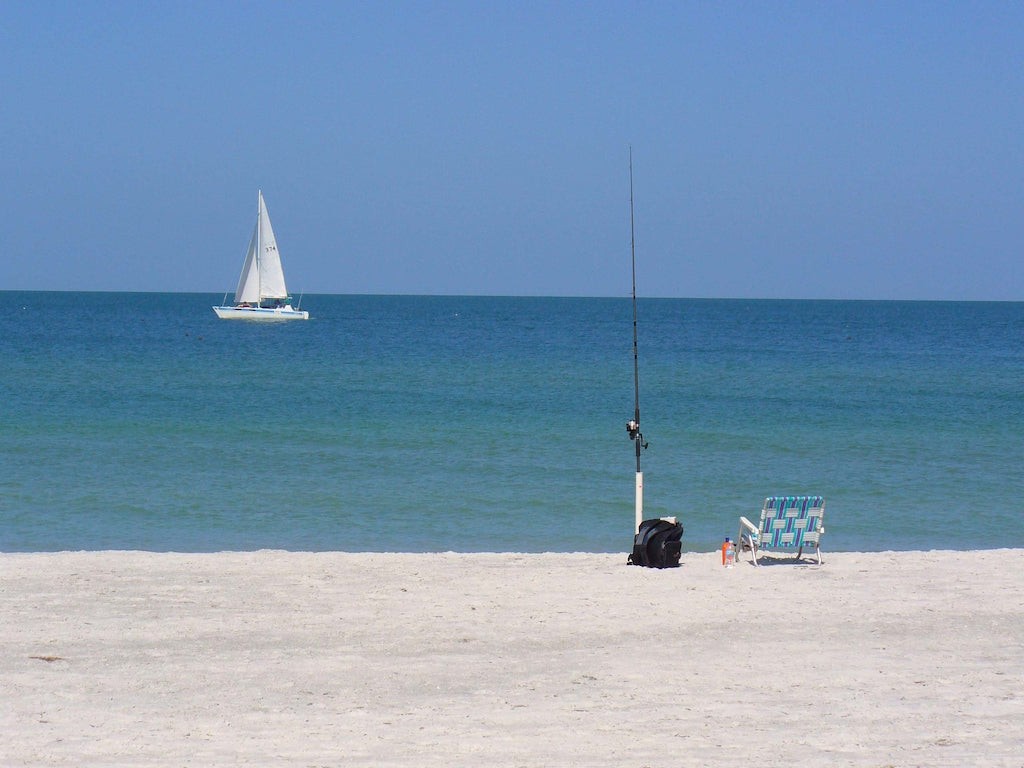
{"x": 633, "y": 427}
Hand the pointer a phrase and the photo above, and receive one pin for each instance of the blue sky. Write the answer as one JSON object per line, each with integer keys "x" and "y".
{"x": 804, "y": 150}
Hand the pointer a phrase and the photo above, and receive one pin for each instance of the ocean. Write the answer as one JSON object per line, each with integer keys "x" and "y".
{"x": 139, "y": 421}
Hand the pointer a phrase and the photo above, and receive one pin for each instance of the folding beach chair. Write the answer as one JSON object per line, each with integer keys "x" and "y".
{"x": 787, "y": 522}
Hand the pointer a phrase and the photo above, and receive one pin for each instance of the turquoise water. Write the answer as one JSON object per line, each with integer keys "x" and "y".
{"x": 141, "y": 421}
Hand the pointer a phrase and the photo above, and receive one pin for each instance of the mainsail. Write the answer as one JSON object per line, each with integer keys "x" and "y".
{"x": 262, "y": 276}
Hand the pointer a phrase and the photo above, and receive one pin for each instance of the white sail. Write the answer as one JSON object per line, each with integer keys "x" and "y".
{"x": 262, "y": 276}
{"x": 249, "y": 281}
{"x": 271, "y": 275}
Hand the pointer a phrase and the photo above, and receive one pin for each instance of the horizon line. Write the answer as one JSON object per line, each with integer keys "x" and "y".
{"x": 537, "y": 296}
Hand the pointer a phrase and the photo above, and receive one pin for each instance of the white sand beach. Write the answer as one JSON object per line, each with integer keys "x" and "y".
{"x": 297, "y": 659}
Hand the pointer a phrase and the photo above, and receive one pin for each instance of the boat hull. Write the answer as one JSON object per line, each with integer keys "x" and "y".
{"x": 286, "y": 312}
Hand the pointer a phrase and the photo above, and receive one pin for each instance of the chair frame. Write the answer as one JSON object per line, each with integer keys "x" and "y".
{"x": 793, "y": 522}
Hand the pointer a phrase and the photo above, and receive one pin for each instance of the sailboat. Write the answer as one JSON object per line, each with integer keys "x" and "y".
{"x": 261, "y": 292}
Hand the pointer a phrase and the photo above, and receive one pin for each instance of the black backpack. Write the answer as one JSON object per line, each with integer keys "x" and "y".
{"x": 657, "y": 544}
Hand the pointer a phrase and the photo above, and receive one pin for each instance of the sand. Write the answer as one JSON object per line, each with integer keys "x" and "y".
{"x": 333, "y": 659}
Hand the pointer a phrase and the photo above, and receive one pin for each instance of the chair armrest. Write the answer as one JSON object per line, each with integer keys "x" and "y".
{"x": 748, "y": 525}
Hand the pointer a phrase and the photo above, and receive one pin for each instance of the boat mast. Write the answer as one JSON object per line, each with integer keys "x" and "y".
{"x": 633, "y": 427}
{"x": 259, "y": 249}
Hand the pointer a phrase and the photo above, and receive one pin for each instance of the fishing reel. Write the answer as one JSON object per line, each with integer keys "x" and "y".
{"x": 633, "y": 428}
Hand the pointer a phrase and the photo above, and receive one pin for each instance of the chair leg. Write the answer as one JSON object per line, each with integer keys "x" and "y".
{"x": 745, "y": 540}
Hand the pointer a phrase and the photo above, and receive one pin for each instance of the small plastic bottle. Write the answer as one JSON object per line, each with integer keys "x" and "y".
{"x": 728, "y": 553}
